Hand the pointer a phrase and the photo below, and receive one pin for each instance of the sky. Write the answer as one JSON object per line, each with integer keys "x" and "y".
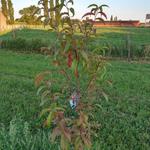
{"x": 123, "y": 9}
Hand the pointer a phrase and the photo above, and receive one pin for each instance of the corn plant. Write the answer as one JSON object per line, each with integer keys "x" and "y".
{"x": 68, "y": 91}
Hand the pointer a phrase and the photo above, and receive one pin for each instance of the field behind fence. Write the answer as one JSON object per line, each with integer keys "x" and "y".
{"x": 122, "y": 42}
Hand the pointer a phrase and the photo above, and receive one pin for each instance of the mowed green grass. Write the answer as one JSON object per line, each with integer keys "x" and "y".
{"x": 29, "y": 34}
{"x": 114, "y": 35}
{"x": 124, "y": 119}
{"x": 111, "y": 35}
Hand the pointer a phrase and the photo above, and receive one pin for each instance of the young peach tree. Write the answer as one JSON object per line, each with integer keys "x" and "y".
{"x": 69, "y": 89}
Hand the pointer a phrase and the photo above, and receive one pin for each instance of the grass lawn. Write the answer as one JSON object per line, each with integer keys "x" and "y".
{"x": 114, "y": 35}
{"x": 114, "y": 40}
{"x": 30, "y": 34}
{"x": 124, "y": 119}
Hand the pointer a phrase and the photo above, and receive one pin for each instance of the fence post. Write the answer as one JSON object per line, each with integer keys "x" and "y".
{"x": 121, "y": 50}
{"x": 129, "y": 47}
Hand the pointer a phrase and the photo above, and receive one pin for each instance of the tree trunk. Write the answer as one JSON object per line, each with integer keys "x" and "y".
{"x": 4, "y": 8}
{"x": 10, "y": 12}
{"x": 52, "y": 15}
{"x": 45, "y": 4}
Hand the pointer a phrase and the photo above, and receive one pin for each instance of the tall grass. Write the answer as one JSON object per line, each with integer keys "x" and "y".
{"x": 23, "y": 45}
{"x": 19, "y": 136}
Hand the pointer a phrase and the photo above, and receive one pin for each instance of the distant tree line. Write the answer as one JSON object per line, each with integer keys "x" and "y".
{"x": 8, "y": 10}
{"x": 113, "y": 18}
{"x": 30, "y": 15}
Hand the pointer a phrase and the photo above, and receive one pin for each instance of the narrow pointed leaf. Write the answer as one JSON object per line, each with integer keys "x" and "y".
{"x": 92, "y": 5}
{"x": 72, "y": 11}
{"x": 70, "y": 1}
{"x": 88, "y": 14}
{"x": 100, "y": 19}
{"x": 105, "y": 96}
{"x": 67, "y": 46}
{"x": 94, "y": 10}
{"x": 50, "y": 119}
{"x": 103, "y": 14}
{"x": 40, "y": 89}
{"x": 44, "y": 111}
{"x": 64, "y": 13}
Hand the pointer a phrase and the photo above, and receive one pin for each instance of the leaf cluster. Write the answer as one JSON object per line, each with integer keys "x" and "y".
{"x": 75, "y": 65}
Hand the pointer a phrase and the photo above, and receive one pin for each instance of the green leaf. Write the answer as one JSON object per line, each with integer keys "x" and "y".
{"x": 64, "y": 13}
{"x": 72, "y": 11}
{"x": 78, "y": 143}
{"x": 101, "y": 7}
{"x": 103, "y": 14}
{"x": 100, "y": 19}
{"x": 44, "y": 97}
{"x": 44, "y": 111}
{"x": 60, "y": 109}
{"x": 88, "y": 14}
{"x": 105, "y": 96}
{"x": 70, "y": 1}
{"x": 64, "y": 144}
{"x": 103, "y": 74}
{"x": 93, "y": 5}
{"x": 53, "y": 107}
{"x": 40, "y": 89}
{"x": 50, "y": 119}
{"x": 93, "y": 10}
{"x": 67, "y": 46}
{"x": 45, "y": 93}
{"x": 84, "y": 55}
{"x": 99, "y": 106}
{"x": 74, "y": 65}
{"x": 104, "y": 5}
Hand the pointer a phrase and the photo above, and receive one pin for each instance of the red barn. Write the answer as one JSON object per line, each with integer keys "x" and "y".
{"x": 134, "y": 23}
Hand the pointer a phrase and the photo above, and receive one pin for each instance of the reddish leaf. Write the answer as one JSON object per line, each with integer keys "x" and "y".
{"x": 76, "y": 73}
{"x": 40, "y": 77}
{"x": 83, "y": 118}
{"x": 56, "y": 132}
{"x": 66, "y": 132}
{"x": 38, "y": 80}
{"x": 70, "y": 59}
{"x": 86, "y": 141}
{"x": 60, "y": 114}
